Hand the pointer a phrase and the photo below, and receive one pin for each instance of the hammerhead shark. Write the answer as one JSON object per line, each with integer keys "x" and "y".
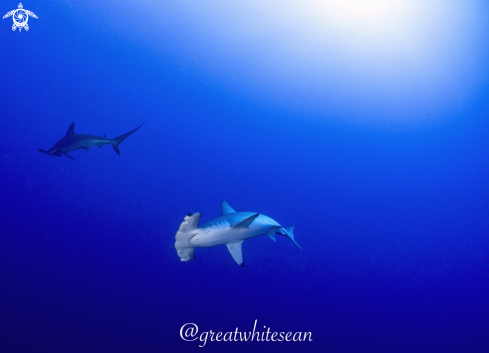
{"x": 73, "y": 141}
{"x": 232, "y": 228}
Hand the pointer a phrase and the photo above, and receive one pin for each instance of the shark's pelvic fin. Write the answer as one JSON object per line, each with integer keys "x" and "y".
{"x": 71, "y": 129}
{"x": 271, "y": 233}
{"x": 68, "y": 155}
{"x": 118, "y": 140}
{"x": 236, "y": 253}
{"x": 245, "y": 223}
{"x": 226, "y": 209}
{"x": 86, "y": 148}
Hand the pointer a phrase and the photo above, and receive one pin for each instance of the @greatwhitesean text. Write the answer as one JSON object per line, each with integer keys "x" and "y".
{"x": 190, "y": 332}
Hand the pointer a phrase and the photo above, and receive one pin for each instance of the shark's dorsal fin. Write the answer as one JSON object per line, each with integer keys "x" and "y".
{"x": 245, "y": 223}
{"x": 71, "y": 129}
{"x": 226, "y": 209}
{"x": 236, "y": 253}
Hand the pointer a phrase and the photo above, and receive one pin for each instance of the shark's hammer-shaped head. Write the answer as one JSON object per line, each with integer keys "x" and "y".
{"x": 187, "y": 230}
{"x": 53, "y": 151}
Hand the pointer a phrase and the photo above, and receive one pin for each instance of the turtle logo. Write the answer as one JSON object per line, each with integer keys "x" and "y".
{"x": 20, "y": 17}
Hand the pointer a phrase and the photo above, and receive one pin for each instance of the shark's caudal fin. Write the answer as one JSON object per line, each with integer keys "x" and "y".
{"x": 226, "y": 209}
{"x": 290, "y": 234}
{"x": 118, "y": 140}
{"x": 186, "y": 231}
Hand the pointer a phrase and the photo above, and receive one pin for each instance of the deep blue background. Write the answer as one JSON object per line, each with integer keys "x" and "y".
{"x": 393, "y": 221}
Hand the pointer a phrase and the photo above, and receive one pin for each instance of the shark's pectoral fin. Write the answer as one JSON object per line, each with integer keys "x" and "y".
{"x": 68, "y": 155}
{"x": 226, "y": 209}
{"x": 245, "y": 223}
{"x": 41, "y": 150}
{"x": 236, "y": 253}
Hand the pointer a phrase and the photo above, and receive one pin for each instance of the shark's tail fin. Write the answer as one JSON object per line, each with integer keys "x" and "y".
{"x": 289, "y": 233}
{"x": 182, "y": 239}
{"x": 118, "y": 140}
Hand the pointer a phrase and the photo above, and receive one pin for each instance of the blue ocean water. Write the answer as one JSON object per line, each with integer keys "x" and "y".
{"x": 367, "y": 130}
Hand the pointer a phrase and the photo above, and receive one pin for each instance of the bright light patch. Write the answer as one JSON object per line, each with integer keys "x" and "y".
{"x": 359, "y": 10}
{"x": 391, "y": 61}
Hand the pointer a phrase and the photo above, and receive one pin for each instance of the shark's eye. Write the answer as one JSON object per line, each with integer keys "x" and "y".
{"x": 189, "y": 214}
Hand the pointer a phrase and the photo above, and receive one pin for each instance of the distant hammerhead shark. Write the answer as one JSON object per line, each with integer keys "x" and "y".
{"x": 73, "y": 141}
{"x": 232, "y": 228}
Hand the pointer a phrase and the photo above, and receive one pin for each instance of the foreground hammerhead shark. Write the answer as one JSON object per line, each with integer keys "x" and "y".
{"x": 73, "y": 141}
{"x": 232, "y": 228}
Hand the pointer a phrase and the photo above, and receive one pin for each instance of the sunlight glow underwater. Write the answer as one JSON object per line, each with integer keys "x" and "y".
{"x": 376, "y": 61}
